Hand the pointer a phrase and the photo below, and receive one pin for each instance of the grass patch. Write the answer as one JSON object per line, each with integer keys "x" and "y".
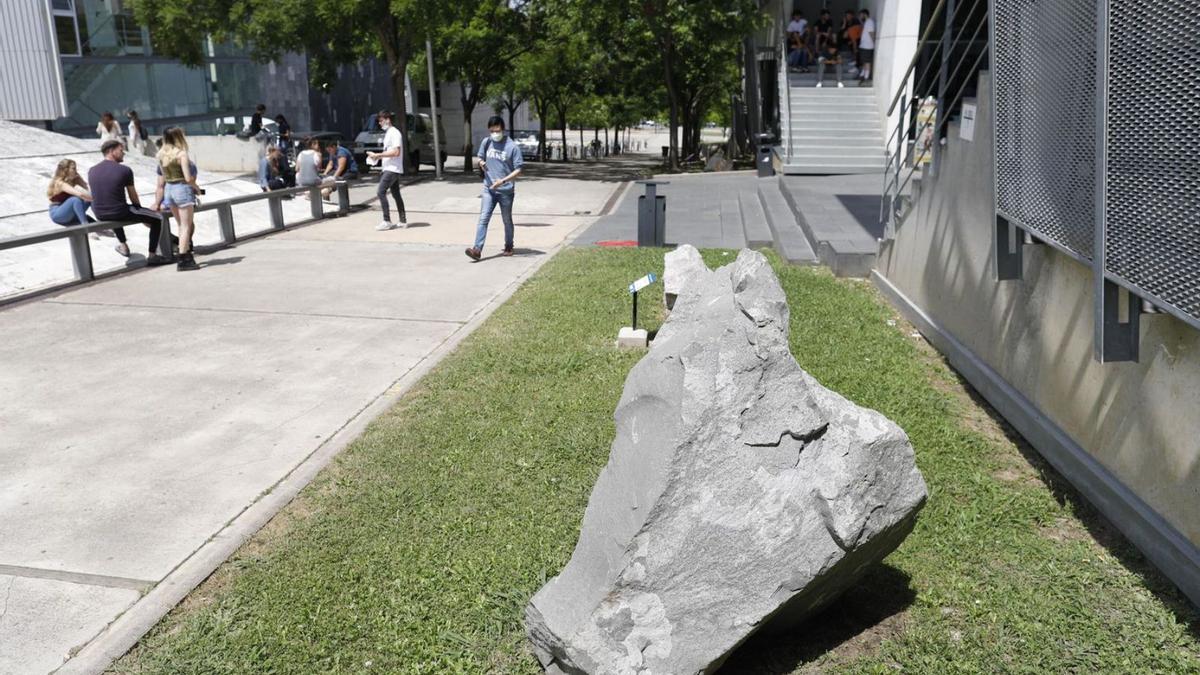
{"x": 417, "y": 549}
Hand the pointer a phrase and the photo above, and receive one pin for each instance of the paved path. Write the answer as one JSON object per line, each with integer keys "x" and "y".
{"x": 152, "y": 421}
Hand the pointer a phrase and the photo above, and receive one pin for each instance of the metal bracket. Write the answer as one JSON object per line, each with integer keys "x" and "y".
{"x": 1009, "y": 262}
{"x": 275, "y": 204}
{"x": 1116, "y": 340}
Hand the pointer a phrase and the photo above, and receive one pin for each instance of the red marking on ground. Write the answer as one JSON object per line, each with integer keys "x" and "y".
{"x": 617, "y": 242}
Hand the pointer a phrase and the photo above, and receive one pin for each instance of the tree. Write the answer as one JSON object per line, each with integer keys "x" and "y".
{"x": 477, "y": 45}
{"x": 331, "y": 32}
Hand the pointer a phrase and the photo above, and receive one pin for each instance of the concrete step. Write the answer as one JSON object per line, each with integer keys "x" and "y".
{"x": 845, "y": 248}
{"x": 787, "y": 237}
{"x": 796, "y": 168}
{"x": 837, "y": 116}
{"x": 863, "y": 152}
{"x": 754, "y": 221}
{"x": 733, "y": 233}
{"x": 822, "y": 103}
{"x": 830, "y": 89}
{"x": 840, "y": 158}
{"x": 839, "y": 137}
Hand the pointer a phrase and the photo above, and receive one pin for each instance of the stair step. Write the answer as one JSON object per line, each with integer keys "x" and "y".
{"x": 797, "y": 168}
{"x": 789, "y": 239}
{"x": 856, "y": 151}
{"x": 866, "y": 117}
{"x": 824, "y": 103}
{"x": 841, "y": 138}
{"x": 838, "y": 159}
{"x": 732, "y": 231}
{"x": 800, "y": 126}
{"x": 754, "y": 221}
{"x": 832, "y": 90}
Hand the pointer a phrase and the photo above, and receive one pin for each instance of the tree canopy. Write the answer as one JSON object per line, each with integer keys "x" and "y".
{"x": 594, "y": 62}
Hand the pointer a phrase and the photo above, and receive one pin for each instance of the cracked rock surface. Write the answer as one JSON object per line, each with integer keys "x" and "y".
{"x": 739, "y": 493}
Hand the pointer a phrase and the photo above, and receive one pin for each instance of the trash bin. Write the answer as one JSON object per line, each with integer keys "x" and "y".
{"x": 766, "y": 167}
{"x": 666, "y": 151}
{"x": 652, "y": 215}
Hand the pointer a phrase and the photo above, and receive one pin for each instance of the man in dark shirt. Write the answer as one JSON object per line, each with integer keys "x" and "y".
{"x": 825, "y": 32}
{"x": 110, "y": 182}
{"x": 256, "y": 119}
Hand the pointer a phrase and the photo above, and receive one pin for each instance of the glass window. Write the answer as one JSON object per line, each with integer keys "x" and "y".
{"x": 68, "y": 36}
{"x": 64, "y": 6}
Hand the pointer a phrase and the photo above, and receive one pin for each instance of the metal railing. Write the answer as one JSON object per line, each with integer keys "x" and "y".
{"x": 915, "y": 141}
{"x": 81, "y": 253}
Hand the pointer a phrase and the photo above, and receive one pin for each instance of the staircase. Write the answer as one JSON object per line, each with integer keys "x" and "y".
{"x": 832, "y": 130}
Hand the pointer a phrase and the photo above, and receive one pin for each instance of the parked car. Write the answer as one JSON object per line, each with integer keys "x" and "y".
{"x": 527, "y": 141}
{"x": 420, "y": 135}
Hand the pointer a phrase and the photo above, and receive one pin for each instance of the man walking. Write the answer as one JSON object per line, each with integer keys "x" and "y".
{"x": 392, "y": 169}
{"x": 111, "y": 181}
{"x": 499, "y": 160}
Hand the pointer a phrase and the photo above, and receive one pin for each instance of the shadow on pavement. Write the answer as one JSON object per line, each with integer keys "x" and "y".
{"x": 213, "y": 262}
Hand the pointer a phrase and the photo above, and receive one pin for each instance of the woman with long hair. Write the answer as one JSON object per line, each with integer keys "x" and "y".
{"x": 108, "y": 129}
{"x": 177, "y": 189}
{"x": 137, "y": 134}
{"x": 284, "y": 131}
{"x": 69, "y": 200}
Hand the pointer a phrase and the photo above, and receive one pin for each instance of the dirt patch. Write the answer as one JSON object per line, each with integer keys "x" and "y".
{"x": 1064, "y": 530}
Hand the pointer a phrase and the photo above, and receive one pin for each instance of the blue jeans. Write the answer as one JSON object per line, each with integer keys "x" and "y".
{"x": 73, "y": 211}
{"x": 487, "y": 206}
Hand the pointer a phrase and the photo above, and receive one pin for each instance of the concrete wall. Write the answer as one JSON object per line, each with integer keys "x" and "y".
{"x": 1134, "y": 425}
{"x": 899, "y": 27}
{"x": 226, "y": 153}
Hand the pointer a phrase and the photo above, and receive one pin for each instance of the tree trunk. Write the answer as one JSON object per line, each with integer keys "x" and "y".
{"x": 562, "y": 126}
{"x": 673, "y": 106}
{"x": 607, "y": 147}
{"x": 542, "y": 109}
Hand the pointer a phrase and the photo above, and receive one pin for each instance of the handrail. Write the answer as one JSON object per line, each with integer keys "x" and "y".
{"x": 81, "y": 255}
{"x": 912, "y": 64}
{"x": 906, "y": 159}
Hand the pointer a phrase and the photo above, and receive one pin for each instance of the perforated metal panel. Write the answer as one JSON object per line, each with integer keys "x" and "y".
{"x": 1152, "y": 186}
{"x": 1045, "y": 88}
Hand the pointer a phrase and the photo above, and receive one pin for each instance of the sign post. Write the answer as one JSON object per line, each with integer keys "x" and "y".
{"x": 632, "y": 337}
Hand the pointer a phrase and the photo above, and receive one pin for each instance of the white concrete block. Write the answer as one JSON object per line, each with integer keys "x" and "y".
{"x": 631, "y": 338}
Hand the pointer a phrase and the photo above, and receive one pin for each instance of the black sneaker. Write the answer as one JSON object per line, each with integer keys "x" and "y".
{"x": 154, "y": 260}
{"x": 186, "y": 262}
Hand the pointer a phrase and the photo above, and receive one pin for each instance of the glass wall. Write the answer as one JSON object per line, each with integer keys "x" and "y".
{"x": 108, "y": 65}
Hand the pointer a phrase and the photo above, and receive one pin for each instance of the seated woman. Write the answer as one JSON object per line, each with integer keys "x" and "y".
{"x": 308, "y": 165}
{"x": 70, "y": 199}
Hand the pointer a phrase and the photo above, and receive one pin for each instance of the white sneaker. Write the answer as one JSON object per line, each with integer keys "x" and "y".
{"x": 122, "y": 248}
{"x": 818, "y": 85}
{"x": 404, "y": 224}
{"x": 384, "y": 226}
{"x": 840, "y": 85}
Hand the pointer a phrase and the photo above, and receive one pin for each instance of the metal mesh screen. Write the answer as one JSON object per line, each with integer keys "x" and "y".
{"x": 1045, "y": 87}
{"x": 1152, "y": 231}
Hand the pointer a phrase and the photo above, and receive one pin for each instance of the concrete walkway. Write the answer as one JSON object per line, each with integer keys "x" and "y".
{"x": 153, "y": 421}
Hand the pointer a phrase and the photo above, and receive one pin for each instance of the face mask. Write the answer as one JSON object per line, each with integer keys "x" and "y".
{"x": 497, "y": 136}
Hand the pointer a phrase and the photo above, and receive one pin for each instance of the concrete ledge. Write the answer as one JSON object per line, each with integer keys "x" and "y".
{"x": 788, "y": 239}
{"x": 1162, "y": 544}
{"x": 845, "y": 257}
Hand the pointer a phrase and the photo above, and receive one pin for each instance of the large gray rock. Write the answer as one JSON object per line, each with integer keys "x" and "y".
{"x": 739, "y": 492}
{"x": 681, "y": 267}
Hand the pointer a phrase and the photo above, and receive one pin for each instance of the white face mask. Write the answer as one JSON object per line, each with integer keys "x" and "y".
{"x": 497, "y": 136}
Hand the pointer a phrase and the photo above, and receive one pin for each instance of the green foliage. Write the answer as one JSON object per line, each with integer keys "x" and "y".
{"x": 416, "y": 551}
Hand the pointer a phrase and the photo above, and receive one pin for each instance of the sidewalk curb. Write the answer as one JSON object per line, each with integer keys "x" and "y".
{"x": 124, "y": 632}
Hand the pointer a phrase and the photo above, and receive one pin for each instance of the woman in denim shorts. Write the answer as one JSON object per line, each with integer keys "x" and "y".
{"x": 177, "y": 189}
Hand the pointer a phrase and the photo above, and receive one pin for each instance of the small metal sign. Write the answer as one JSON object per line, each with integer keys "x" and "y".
{"x": 642, "y": 283}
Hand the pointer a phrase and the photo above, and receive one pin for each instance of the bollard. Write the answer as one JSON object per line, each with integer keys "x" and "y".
{"x": 343, "y": 192}
{"x": 81, "y": 256}
{"x": 314, "y": 202}
{"x": 276, "y": 207}
{"x": 225, "y": 218}
{"x": 652, "y": 215}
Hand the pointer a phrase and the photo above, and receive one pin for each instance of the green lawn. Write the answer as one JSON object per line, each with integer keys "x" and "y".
{"x": 417, "y": 550}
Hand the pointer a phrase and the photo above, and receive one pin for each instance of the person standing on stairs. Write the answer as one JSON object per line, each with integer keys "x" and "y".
{"x": 866, "y": 47}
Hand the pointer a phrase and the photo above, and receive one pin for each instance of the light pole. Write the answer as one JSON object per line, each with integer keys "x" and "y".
{"x": 437, "y": 137}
